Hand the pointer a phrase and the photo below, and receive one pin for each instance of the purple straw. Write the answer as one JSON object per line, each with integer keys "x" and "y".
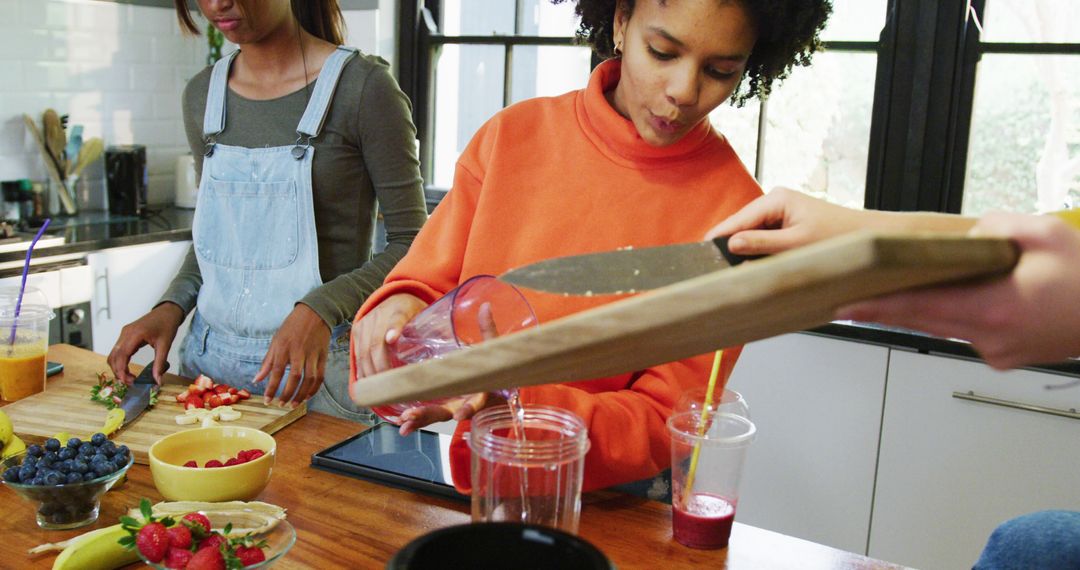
{"x": 25, "y": 271}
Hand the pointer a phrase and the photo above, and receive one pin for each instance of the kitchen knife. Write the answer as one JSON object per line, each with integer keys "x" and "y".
{"x": 137, "y": 397}
{"x": 629, "y": 270}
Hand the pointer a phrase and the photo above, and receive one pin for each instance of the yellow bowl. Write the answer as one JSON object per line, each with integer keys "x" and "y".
{"x": 241, "y": 482}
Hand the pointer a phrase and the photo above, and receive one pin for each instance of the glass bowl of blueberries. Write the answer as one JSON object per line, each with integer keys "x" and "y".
{"x": 66, "y": 482}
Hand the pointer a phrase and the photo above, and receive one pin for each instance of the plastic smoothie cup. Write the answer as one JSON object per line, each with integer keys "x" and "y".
{"x": 24, "y": 343}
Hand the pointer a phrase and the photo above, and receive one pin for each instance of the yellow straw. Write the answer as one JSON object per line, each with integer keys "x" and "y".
{"x": 701, "y": 424}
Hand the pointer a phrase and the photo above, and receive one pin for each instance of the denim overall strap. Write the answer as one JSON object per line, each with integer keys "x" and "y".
{"x": 255, "y": 240}
{"x": 314, "y": 116}
{"x": 214, "y": 116}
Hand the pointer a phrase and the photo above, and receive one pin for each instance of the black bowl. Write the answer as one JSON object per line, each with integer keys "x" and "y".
{"x": 498, "y": 546}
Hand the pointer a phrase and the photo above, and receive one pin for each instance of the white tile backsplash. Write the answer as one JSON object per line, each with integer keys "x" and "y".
{"x": 116, "y": 69}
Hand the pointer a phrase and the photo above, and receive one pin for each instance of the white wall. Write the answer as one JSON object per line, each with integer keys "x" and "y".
{"x": 118, "y": 70}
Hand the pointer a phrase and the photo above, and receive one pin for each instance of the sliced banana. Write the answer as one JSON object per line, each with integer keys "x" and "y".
{"x": 208, "y": 417}
{"x": 253, "y": 516}
{"x": 227, "y": 414}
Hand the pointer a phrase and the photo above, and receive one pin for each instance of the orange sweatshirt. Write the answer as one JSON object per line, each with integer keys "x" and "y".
{"x": 566, "y": 175}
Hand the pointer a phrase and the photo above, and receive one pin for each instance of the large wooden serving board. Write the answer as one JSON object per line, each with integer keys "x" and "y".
{"x": 65, "y": 406}
{"x": 788, "y": 292}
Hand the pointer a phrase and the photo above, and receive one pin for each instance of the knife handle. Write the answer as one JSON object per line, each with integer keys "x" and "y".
{"x": 732, "y": 258}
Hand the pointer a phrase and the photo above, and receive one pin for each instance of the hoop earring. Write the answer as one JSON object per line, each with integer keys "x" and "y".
{"x": 618, "y": 49}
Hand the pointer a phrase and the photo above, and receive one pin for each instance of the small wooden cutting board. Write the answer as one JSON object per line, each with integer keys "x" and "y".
{"x": 65, "y": 406}
{"x": 788, "y": 292}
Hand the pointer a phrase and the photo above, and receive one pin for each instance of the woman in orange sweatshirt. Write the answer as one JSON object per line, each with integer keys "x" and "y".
{"x": 629, "y": 161}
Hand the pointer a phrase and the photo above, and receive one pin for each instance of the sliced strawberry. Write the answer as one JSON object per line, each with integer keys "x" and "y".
{"x": 214, "y": 463}
{"x": 244, "y": 394}
{"x": 205, "y": 382}
{"x": 191, "y": 464}
{"x": 255, "y": 454}
{"x": 227, "y": 399}
{"x": 182, "y": 396}
{"x": 196, "y": 390}
{"x": 213, "y": 401}
{"x": 221, "y": 389}
{"x": 233, "y": 461}
{"x": 193, "y": 402}
{"x": 233, "y": 391}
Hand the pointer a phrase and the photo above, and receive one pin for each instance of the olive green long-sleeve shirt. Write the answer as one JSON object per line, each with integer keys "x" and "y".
{"x": 365, "y": 159}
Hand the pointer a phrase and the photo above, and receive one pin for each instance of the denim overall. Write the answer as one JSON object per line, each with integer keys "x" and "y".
{"x": 255, "y": 241}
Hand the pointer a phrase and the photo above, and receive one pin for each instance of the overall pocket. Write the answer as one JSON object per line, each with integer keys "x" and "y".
{"x": 247, "y": 225}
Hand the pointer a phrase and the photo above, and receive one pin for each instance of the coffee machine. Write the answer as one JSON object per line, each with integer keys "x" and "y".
{"x": 126, "y": 176}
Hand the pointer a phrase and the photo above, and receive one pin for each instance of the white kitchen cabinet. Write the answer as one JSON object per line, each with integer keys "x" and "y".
{"x": 951, "y": 469}
{"x": 817, "y": 405}
{"x": 128, "y": 281}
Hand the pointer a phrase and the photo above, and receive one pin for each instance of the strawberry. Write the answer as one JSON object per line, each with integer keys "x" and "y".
{"x": 191, "y": 464}
{"x": 233, "y": 391}
{"x": 182, "y": 396}
{"x": 255, "y": 454}
{"x": 179, "y": 536}
{"x": 249, "y": 555}
{"x": 233, "y": 461}
{"x": 193, "y": 402}
{"x": 244, "y": 394}
{"x": 212, "y": 542}
{"x": 227, "y": 399}
{"x": 193, "y": 520}
{"x": 213, "y": 401}
{"x": 152, "y": 541}
{"x": 177, "y": 557}
{"x": 205, "y": 382}
{"x": 221, "y": 389}
{"x": 207, "y": 559}
{"x": 214, "y": 463}
{"x": 196, "y": 390}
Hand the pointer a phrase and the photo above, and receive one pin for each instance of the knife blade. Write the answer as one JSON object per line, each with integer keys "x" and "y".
{"x": 137, "y": 397}
{"x": 628, "y": 270}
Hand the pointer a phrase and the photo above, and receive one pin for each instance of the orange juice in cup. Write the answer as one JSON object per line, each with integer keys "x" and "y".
{"x": 24, "y": 341}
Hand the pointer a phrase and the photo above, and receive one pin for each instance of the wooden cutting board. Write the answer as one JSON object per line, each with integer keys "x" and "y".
{"x": 65, "y": 406}
{"x": 788, "y": 292}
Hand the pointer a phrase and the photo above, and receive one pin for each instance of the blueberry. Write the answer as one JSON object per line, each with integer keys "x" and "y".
{"x": 37, "y": 480}
{"x": 12, "y": 475}
{"x": 26, "y": 474}
{"x": 53, "y": 478}
{"x": 89, "y": 476}
{"x": 80, "y": 466}
{"x": 122, "y": 450}
{"x": 108, "y": 448}
{"x": 30, "y": 462}
{"x": 52, "y": 444}
{"x": 66, "y": 453}
{"x": 102, "y": 469}
{"x": 74, "y": 477}
{"x": 74, "y": 443}
{"x": 98, "y": 439}
{"x": 35, "y": 450}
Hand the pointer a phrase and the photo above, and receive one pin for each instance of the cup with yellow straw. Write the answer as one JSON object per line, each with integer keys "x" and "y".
{"x": 708, "y": 448}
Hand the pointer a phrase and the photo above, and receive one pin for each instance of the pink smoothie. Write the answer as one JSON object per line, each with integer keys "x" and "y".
{"x": 705, "y": 522}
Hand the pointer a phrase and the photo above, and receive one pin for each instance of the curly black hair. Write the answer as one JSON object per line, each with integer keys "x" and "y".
{"x": 788, "y": 35}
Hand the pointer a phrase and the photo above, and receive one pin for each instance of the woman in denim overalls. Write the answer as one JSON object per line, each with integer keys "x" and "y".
{"x": 254, "y": 232}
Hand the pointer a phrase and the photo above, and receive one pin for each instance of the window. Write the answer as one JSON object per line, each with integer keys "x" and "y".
{"x": 1024, "y": 145}
{"x": 910, "y": 106}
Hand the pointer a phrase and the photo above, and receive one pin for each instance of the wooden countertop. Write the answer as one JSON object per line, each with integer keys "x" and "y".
{"x": 342, "y": 522}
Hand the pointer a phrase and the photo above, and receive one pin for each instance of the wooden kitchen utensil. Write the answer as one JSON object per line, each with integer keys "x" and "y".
{"x": 787, "y": 292}
{"x": 50, "y": 166}
{"x": 65, "y": 406}
{"x": 90, "y": 151}
{"x": 55, "y": 139}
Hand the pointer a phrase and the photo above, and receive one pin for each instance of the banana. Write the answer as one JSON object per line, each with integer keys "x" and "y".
{"x": 14, "y": 446}
{"x": 252, "y": 516}
{"x": 96, "y": 550}
{"x": 6, "y": 429}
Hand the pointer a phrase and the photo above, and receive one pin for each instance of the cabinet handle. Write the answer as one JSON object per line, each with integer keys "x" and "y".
{"x": 972, "y": 396}
{"x": 108, "y": 301}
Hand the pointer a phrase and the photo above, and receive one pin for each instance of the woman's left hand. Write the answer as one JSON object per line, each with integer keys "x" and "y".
{"x": 457, "y": 409}
{"x": 301, "y": 344}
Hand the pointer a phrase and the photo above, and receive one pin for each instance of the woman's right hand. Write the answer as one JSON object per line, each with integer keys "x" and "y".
{"x": 376, "y": 331}
{"x": 157, "y": 329}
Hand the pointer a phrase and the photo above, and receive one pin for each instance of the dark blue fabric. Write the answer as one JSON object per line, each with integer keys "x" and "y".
{"x": 1046, "y": 540}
